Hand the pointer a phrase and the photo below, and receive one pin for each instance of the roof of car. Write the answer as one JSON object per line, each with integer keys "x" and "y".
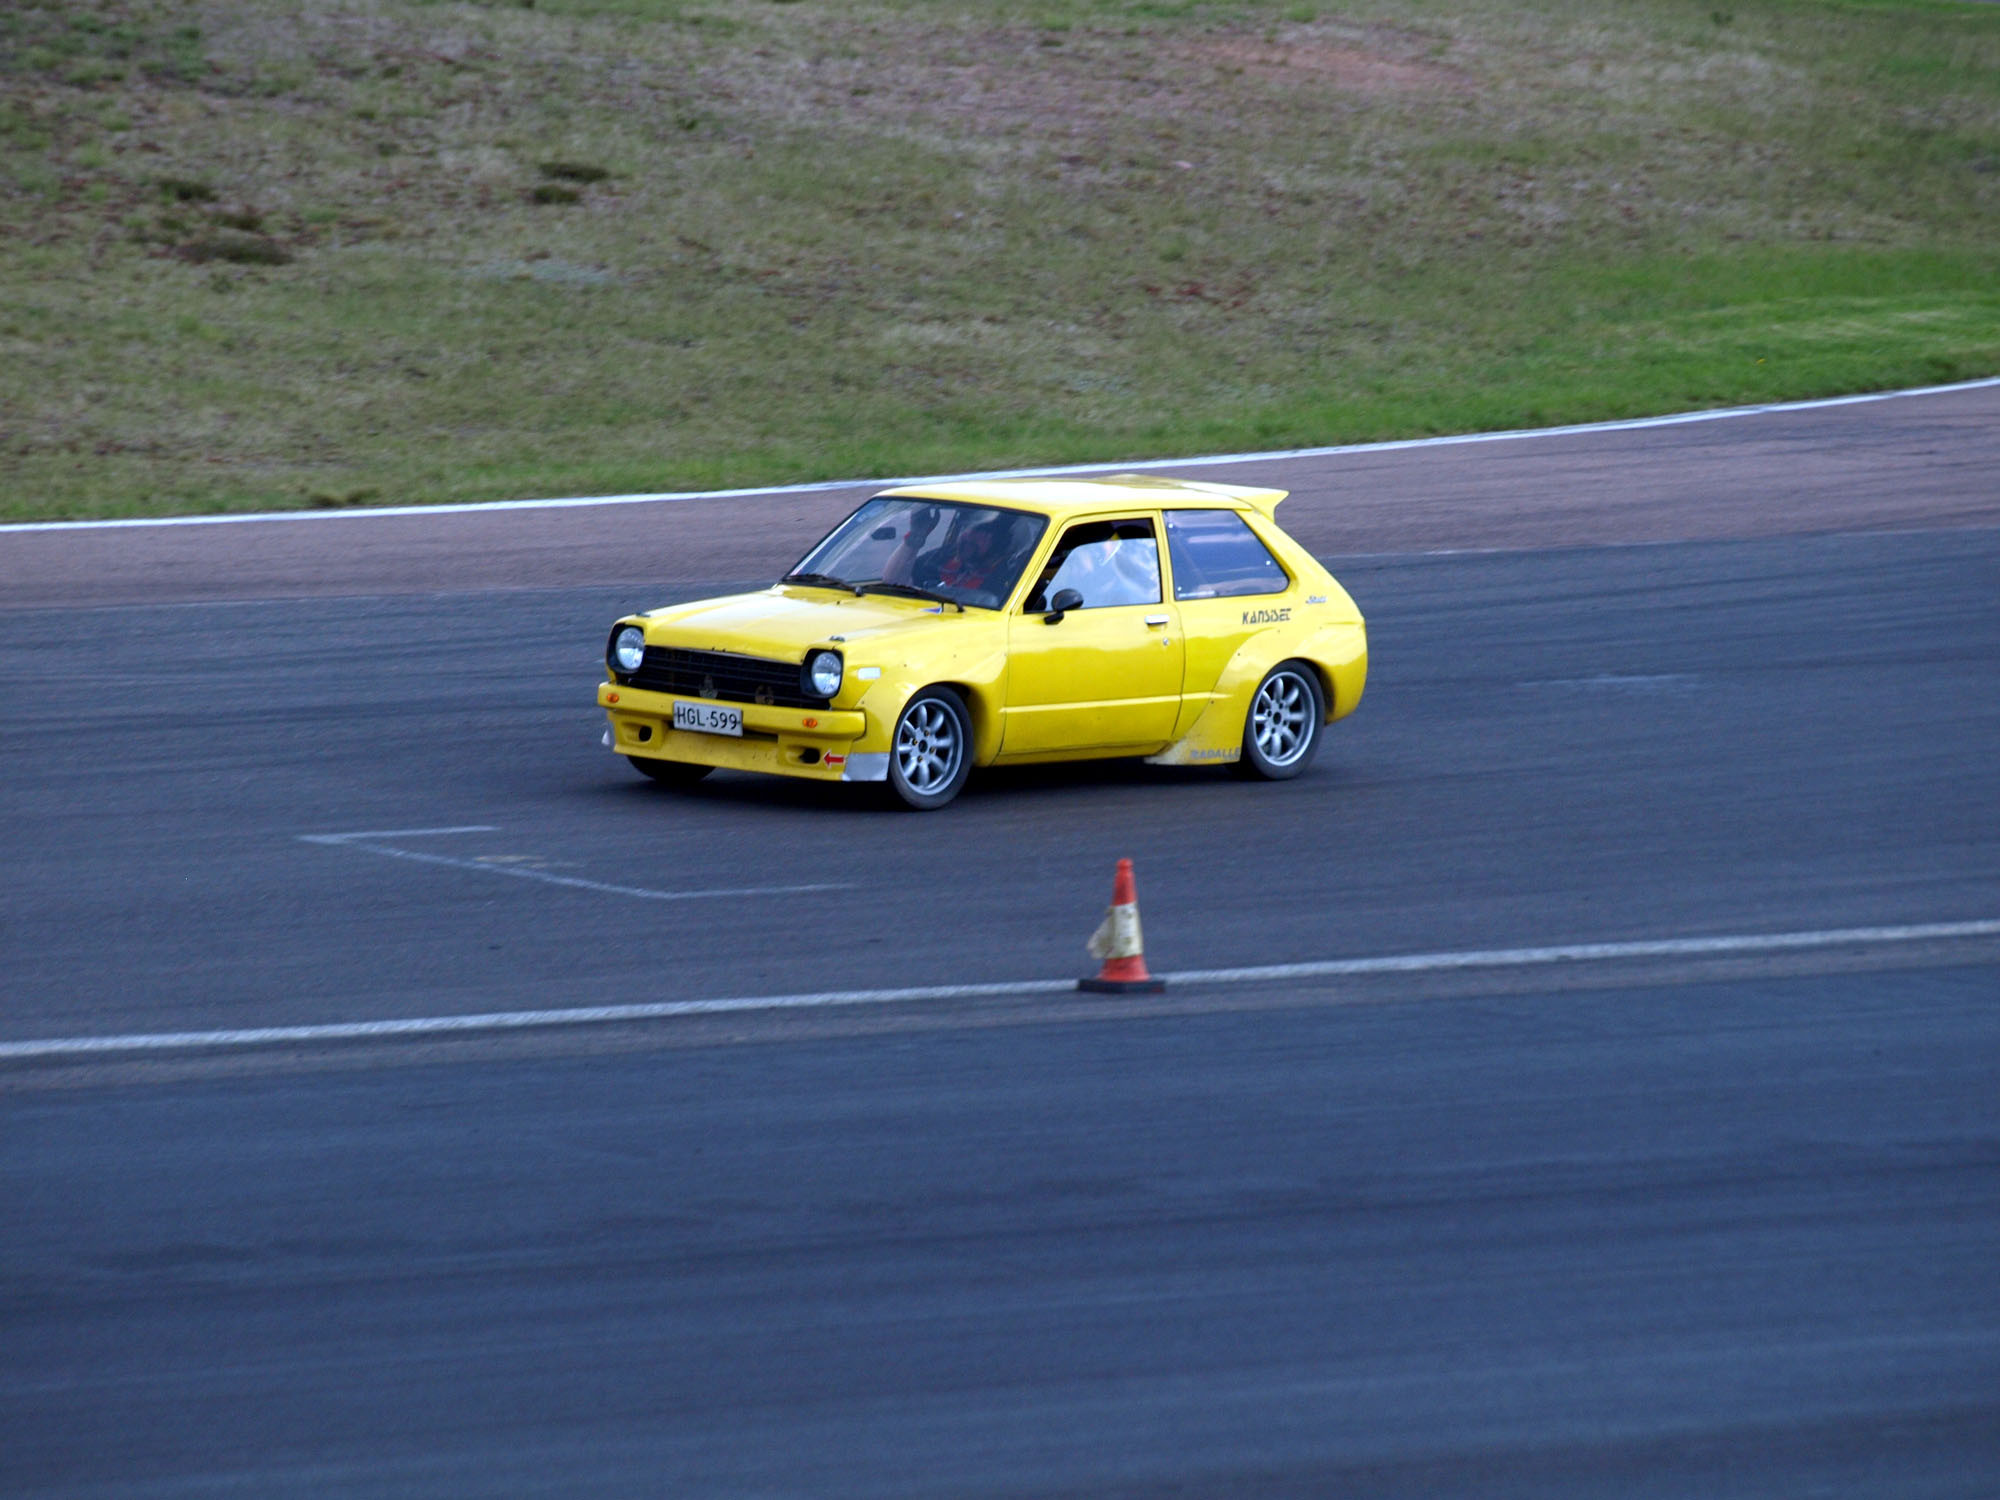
{"x": 1070, "y": 494}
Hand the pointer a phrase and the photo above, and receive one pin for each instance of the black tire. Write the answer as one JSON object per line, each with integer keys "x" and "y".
{"x": 930, "y": 750}
{"x": 1281, "y": 732}
{"x": 668, "y": 772}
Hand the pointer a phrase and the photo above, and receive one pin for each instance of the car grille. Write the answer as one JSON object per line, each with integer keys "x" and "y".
{"x": 723, "y": 675}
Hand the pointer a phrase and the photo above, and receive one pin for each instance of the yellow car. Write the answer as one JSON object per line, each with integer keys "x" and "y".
{"x": 1002, "y": 622}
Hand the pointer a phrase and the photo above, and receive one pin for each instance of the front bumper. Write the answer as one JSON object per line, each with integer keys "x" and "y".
{"x": 816, "y": 744}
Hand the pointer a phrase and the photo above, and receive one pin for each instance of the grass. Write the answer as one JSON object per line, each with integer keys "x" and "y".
{"x": 279, "y": 253}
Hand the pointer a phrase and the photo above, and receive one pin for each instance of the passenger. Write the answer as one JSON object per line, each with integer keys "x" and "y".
{"x": 902, "y": 564}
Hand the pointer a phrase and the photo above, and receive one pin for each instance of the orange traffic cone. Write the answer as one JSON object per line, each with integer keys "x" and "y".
{"x": 1117, "y": 941}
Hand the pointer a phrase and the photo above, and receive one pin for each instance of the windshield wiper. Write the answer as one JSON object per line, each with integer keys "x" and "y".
{"x": 908, "y": 590}
{"x": 824, "y": 580}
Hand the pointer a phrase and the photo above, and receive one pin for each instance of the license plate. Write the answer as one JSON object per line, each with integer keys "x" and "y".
{"x": 705, "y": 718}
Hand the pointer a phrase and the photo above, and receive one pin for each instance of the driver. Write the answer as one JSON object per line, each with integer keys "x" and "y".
{"x": 976, "y": 560}
{"x": 973, "y": 561}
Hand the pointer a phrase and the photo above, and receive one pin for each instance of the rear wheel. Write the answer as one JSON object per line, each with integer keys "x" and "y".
{"x": 668, "y": 772}
{"x": 930, "y": 754}
{"x": 1281, "y": 732}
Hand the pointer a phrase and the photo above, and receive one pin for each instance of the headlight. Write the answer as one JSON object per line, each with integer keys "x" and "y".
{"x": 823, "y": 673}
{"x": 628, "y": 649}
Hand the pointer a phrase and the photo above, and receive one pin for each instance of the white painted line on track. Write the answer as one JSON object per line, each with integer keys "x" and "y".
{"x": 598, "y": 1015}
{"x": 1448, "y": 440}
{"x": 397, "y": 833}
{"x": 1507, "y": 958}
{"x": 367, "y": 843}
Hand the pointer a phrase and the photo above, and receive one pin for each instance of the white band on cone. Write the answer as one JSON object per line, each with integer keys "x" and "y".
{"x": 1118, "y": 935}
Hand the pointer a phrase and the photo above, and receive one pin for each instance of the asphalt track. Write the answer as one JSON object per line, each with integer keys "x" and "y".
{"x": 1677, "y": 1226}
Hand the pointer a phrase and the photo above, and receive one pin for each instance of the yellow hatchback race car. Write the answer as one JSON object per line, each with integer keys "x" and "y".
{"x": 1002, "y": 622}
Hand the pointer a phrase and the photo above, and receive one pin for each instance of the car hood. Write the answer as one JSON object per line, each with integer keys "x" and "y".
{"x": 783, "y": 621}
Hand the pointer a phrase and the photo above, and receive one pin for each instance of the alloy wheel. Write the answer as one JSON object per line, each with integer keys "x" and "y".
{"x": 929, "y": 747}
{"x": 1281, "y": 718}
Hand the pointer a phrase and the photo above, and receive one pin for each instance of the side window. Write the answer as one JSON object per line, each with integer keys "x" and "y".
{"x": 1216, "y": 556}
{"x": 1108, "y": 562}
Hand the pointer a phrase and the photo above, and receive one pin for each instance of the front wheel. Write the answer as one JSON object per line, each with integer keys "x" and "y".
{"x": 930, "y": 754}
{"x": 668, "y": 772}
{"x": 1281, "y": 733}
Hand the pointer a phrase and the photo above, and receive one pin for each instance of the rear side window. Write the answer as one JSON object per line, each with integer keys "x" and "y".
{"x": 1217, "y": 556}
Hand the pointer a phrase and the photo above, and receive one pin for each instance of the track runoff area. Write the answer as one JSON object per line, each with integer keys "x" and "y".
{"x": 1213, "y": 460}
{"x": 1866, "y": 946}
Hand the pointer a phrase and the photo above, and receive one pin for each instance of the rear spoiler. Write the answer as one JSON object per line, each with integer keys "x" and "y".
{"x": 1260, "y": 499}
{"x": 1264, "y": 500}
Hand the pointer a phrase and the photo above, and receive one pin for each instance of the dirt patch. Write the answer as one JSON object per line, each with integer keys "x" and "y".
{"x": 1024, "y": 82}
{"x": 1307, "y": 60}
{"x": 967, "y": 85}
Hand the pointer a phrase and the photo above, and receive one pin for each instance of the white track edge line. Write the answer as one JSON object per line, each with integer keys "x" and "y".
{"x": 1278, "y": 455}
{"x": 1407, "y": 963}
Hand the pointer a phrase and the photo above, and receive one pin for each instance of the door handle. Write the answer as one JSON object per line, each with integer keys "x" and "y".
{"x": 1156, "y": 619}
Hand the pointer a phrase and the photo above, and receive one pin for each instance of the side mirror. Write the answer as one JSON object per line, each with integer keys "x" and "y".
{"x": 1061, "y": 605}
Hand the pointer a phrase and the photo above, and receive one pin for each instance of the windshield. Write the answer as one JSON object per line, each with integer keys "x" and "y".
{"x": 968, "y": 554}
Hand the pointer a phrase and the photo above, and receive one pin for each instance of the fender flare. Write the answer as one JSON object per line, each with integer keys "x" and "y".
{"x": 979, "y": 681}
{"x": 1338, "y": 655}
